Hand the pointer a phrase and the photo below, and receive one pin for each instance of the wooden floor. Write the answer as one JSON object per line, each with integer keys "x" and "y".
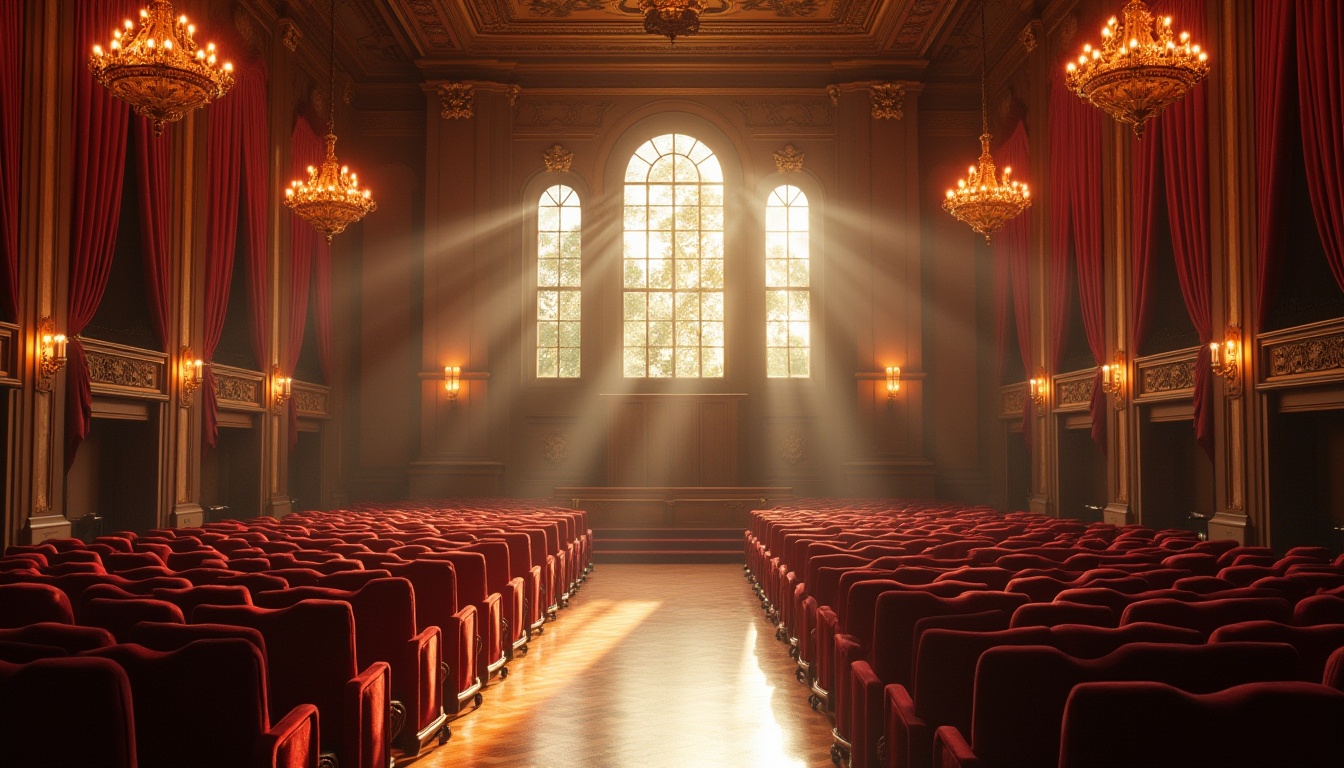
{"x": 651, "y": 666}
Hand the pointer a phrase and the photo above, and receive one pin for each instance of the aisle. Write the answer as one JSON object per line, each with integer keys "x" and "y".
{"x": 652, "y": 666}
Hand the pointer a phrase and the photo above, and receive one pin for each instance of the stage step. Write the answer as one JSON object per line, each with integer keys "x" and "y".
{"x": 667, "y": 545}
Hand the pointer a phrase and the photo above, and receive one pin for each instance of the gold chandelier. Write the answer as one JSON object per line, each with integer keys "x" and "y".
{"x": 1139, "y": 69}
{"x": 331, "y": 199}
{"x": 672, "y": 18}
{"x": 982, "y": 200}
{"x": 157, "y": 67}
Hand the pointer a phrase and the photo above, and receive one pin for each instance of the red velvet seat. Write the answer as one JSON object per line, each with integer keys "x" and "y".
{"x": 1207, "y": 616}
{"x": 227, "y": 727}
{"x": 943, "y": 687}
{"x": 118, "y": 616}
{"x": 167, "y": 636}
{"x": 311, "y": 658}
{"x": 125, "y": 561}
{"x": 1319, "y": 609}
{"x": 1247, "y": 726}
{"x": 205, "y": 594}
{"x": 12, "y": 652}
{"x": 1314, "y": 644}
{"x": 437, "y": 605}
{"x": 1020, "y": 692}
{"x": 101, "y": 715}
{"x": 71, "y": 638}
{"x": 22, "y": 604}
{"x": 385, "y": 630}
{"x": 1055, "y": 614}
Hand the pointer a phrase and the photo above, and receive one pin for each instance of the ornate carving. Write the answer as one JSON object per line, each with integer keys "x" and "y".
{"x": 123, "y": 371}
{"x": 917, "y": 21}
{"x": 789, "y": 160}
{"x": 792, "y": 447}
{"x": 559, "y": 9}
{"x": 783, "y": 7}
{"x": 1170, "y": 377}
{"x": 557, "y": 159}
{"x": 1067, "y": 31}
{"x": 791, "y": 114}
{"x": 290, "y": 35}
{"x": 557, "y": 114}
{"x": 428, "y": 21}
{"x": 888, "y": 101}
{"x": 1030, "y": 35}
{"x": 237, "y": 389}
{"x": 242, "y": 21}
{"x": 318, "y": 98}
{"x": 512, "y": 93}
{"x": 390, "y": 122}
{"x": 834, "y": 92}
{"x": 1325, "y": 353}
{"x": 310, "y": 401}
{"x": 554, "y": 447}
{"x": 1014, "y": 400}
{"x": 459, "y": 101}
{"x": 348, "y": 92}
{"x": 1074, "y": 392}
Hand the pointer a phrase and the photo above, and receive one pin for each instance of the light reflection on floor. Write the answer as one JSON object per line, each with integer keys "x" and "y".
{"x": 657, "y": 666}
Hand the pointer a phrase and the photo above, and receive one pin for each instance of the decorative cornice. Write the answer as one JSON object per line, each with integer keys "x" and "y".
{"x": 785, "y": 8}
{"x": 916, "y": 26}
{"x": 290, "y": 35}
{"x": 1168, "y": 377}
{"x": 533, "y": 113}
{"x": 310, "y": 402}
{"x": 786, "y": 113}
{"x": 888, "y": 101}
{"x": 1030, "y": 36}
{"x": 120, "y": 371}
{"x": 237, "y": 389}
{"x": 387, "y": 123}
{"x": 789, "y": 160}
{"x": 557, "y": 159}
{"x": 559, "y": 9}
{"x": 458, "y": 100}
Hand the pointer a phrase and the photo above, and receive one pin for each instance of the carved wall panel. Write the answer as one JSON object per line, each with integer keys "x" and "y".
{"x": 1314, "y": 355}
{"x": 311, "y": 402}
{"x": 1168, "y": 377}
{"x": 1012, "y": 401}
{"x": 544, "y": 113}
{"x": 793, "y": 113}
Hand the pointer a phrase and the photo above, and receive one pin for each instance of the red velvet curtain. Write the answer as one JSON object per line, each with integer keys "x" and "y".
{"x": 1275, "y": 89}
{"x": 156, "y": 211}
{"x": 1076, "y": 137}
{"x": 99, "y": 164}
{"x": 1183, "y": 134}
{"x": 251, "y": 94}
{"x": 1010, "y": 245}
{"x": 223, "y": 161}
{"x": 1320, "y": 74}
{"x": 11, "y": 134}
{"x": 306, "y": 148}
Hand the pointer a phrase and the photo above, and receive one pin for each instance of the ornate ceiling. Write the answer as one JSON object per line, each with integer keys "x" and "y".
{"x": 393, "y": 40}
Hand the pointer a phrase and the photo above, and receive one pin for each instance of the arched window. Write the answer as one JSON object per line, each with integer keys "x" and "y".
{"x": 788, "y": 309}
{"x": 559, "y": 274}
{"x": 673, "y": 261}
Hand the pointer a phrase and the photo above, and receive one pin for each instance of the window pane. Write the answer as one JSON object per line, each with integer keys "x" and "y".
{"x": 559, "y": 275}
{"x": 787, "y": 277}
{"x": 673, "y": 222}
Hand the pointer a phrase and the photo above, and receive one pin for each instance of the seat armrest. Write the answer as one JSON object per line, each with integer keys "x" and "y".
{"x": 908, "y": 736}
{"x": 425, "y": 650}
{"x": 951, "y": 750}
{"x": 292, "y": 742}
{"x": 367, "y": 714}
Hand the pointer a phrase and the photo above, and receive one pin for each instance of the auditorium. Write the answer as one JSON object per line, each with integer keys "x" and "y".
{"x": 671, "y": 383}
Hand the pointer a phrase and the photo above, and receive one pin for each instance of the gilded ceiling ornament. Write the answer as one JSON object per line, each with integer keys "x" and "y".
{"x": 1030, "y": 35}
{"x": 783, "y": 7}
{"x": 290, "y": 34}
{"x": 789, "y": 160}
{"x": 459, "y": 101}
{"x": 558, "y": 9}
{"x": 557, "y": 159}
{"x": 888, "y": 101}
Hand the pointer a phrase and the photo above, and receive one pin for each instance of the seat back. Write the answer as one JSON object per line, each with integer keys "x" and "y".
{"x": 118, "y": 616}
{"x": 68, "y": 637}
{"x": 1314, "y": 644}
{"x": 1259, "y": 724}
{"x": 102, "y": 714}
{"x": 1055, "y": 614}
{"x": 166, "y": 636}
{"x": 23, "y": 604}
{"x": 1206, "y": 616}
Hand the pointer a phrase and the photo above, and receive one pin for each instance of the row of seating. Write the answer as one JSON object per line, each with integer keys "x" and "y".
{"x": 916, "y": 625}
{"x": 386, "y": 622}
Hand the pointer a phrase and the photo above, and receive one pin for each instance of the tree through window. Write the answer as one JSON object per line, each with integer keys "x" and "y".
{"x": 559, "y": 275}
{"x": 788, "y": 309}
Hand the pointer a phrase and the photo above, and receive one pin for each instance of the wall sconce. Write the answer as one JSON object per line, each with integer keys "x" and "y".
{"x": 51, "y": 354}
{"x": 1113, "y": 379}
{"x": 1224, "y": 356}
{"x": 893, "y": 384}
{"x": 282, "y": 387}
{"x": 452, "y": 381}
{"x": 1036, "y": 387}
{"x": 191, "y": 370}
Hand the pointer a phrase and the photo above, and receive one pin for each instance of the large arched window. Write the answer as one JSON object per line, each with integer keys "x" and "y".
{"x": 673, "y": 261}
{"x": 788, "y": 277}
{"x": 559, "y": 274}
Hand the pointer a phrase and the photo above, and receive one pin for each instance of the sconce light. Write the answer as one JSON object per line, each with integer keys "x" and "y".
{"x": 51, "y": 354}
{"x": 1037, "y": 386}
{"x": 281, "y": 387}
{"x": 192, "y": 372}
{"x": 1224, "y": 356}
{"x": 893, "y": 383}
{"x": 1113, "y": 379}
{"x": 452, "y": 381}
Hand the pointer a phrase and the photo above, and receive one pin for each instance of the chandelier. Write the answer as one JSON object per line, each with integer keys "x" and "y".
{"x": 157, "y": 67}
{"x": 331, "y": 199}
{"x": 671, "y": 18}
{"x": 982, "y": 200}
{"x": 1139, "y": 69}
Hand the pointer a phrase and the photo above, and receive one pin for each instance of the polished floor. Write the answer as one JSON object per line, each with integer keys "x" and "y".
{"x": 651, "y": 666}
